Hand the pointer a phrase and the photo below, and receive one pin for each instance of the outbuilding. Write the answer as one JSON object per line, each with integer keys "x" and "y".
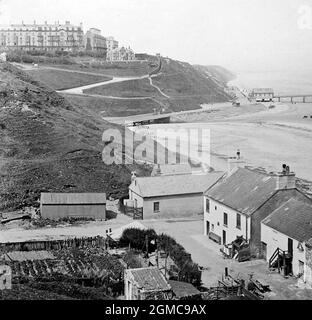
{"x": 146, "y": 284}
{"x": 171, "y": 195}
{"x": 76, "y": 205}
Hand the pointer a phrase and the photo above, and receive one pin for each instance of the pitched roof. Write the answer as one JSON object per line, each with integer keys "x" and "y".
{"x": 244, "y": 190}
{"x": 149, "y": 279}
{"x": 174, "y": 185}
{"x": 263, "y": 90}
{"x": 183, "y": 289}
{"x": 293, "y": 218}
{"x": 73, "y": 198}
{"x": 29, "y": 255}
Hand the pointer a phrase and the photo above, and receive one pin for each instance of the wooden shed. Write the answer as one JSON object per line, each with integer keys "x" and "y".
{"x": 76, "y": 205}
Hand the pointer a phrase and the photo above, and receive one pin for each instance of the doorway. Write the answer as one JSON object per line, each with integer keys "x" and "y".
{"x": 207, "y": 228}
{"x": 290, "y": 246}
{"x": 224, "y": 237}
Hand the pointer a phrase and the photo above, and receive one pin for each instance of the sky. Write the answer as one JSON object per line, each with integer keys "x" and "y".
{"x": 237, "y": 34}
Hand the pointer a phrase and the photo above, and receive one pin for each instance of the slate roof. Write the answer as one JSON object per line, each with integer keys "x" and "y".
{"x": 149, "y": 279}
{"x": 174, "y": 185}
{"x": 263, "y": 90}
{"x": 293, "y": 218}
{"x": 29, "y": 255}
{"x": 73, "y": 198}
{"x": 183, "y": 289}
{"x": 244, "y": 190}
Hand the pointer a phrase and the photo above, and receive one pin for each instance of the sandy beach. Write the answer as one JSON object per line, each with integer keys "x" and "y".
{"x": 266, "y": 137}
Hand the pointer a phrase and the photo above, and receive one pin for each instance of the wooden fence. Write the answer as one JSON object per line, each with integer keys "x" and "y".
{"x": 54, "y": 244}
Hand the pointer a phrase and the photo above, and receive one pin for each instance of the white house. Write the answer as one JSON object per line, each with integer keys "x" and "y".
{"x": 171, "y": 195}
{"x": 262, "y": 94}
{"x": 288, "y": 228}
{"x": 236, "y": 205}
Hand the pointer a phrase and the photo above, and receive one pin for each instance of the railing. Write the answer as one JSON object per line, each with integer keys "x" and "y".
{"x": 280, "y": 257}
{"x": 275, "y": 256}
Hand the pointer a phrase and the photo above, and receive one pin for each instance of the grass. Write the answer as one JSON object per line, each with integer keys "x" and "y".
{"x": 61, "y": 80}
{"x": 51, "y": 145}
{"x": 128, "y": 89}
{"x": 116, "y": 69}
{"x": 112, "y": 107}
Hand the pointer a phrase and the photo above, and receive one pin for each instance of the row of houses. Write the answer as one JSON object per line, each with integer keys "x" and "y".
{"x": 61, "y": 37}
{"x": 266, "y": 210}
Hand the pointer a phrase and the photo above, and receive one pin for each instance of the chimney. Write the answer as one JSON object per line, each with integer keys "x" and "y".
{"x": 235, "y": 162}
{"x": 133, "y": 176}
{"x": 285, "y": 179}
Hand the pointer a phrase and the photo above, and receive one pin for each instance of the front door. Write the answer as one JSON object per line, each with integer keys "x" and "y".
{"x": 290, "y": 246}
{"x": 224, "y": 237}
{"x": 207, "y": 228}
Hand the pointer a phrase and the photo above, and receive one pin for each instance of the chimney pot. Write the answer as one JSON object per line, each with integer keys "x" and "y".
{"x": 235, "y": 162}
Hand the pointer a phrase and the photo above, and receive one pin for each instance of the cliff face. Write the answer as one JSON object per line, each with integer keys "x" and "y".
{"x": 218, "y": 74}
{"x": 49, "y": 145}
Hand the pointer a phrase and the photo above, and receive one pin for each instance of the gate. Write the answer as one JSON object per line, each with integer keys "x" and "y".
{"x": 135, "y": 213}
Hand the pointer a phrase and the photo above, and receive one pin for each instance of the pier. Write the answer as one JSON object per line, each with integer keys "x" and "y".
{"x": 304, "y": 98}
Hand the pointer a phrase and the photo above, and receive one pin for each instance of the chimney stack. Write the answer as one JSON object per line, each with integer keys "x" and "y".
{"x": 236, "y": 162}
{"x": 133, "y": 176}
{"x": 285, "y": 179}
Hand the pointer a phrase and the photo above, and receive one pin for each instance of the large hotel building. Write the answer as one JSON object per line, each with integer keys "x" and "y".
{"x": 42, "y": 36}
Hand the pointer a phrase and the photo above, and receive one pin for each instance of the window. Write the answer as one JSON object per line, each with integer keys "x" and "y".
{"x": 215, "y": 207}
{"x": 156, "y": 206}
{"x": 212, "y": 227}
{"x": 207, "y": 205}
{"x": 225, "y": 219}
{"x": 238, "y": 221}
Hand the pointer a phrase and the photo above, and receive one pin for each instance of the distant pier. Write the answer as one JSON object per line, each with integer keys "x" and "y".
{"x": 303, "y": 98}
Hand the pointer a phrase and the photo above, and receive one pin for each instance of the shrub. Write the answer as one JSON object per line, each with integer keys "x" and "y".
{"x": 188, "y": 270}
{"x": 136, "y": 238}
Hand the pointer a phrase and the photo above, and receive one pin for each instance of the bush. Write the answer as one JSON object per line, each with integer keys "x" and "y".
{"x": 132, "y": 260}
{"x": 136, "y": 239}
{"x": 189, "y": 271}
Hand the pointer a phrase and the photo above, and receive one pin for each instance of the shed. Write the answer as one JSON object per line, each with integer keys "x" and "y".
{"x": 183, "y": 290}
{"x": 145, "y": 283}
{"x": 76, "y": 205}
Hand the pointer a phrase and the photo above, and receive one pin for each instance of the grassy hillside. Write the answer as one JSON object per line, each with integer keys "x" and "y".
{"x": 61, "y": 80}
{"x": 130, "y": 89}
{"x": 113, "y": 107}
{"x": 118, "y": 69}
{"x": 49, "y": 145}
{"x": 187, "y": 87}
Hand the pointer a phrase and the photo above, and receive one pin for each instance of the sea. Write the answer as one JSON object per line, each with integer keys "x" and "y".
{"x": 283, "y": 82}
